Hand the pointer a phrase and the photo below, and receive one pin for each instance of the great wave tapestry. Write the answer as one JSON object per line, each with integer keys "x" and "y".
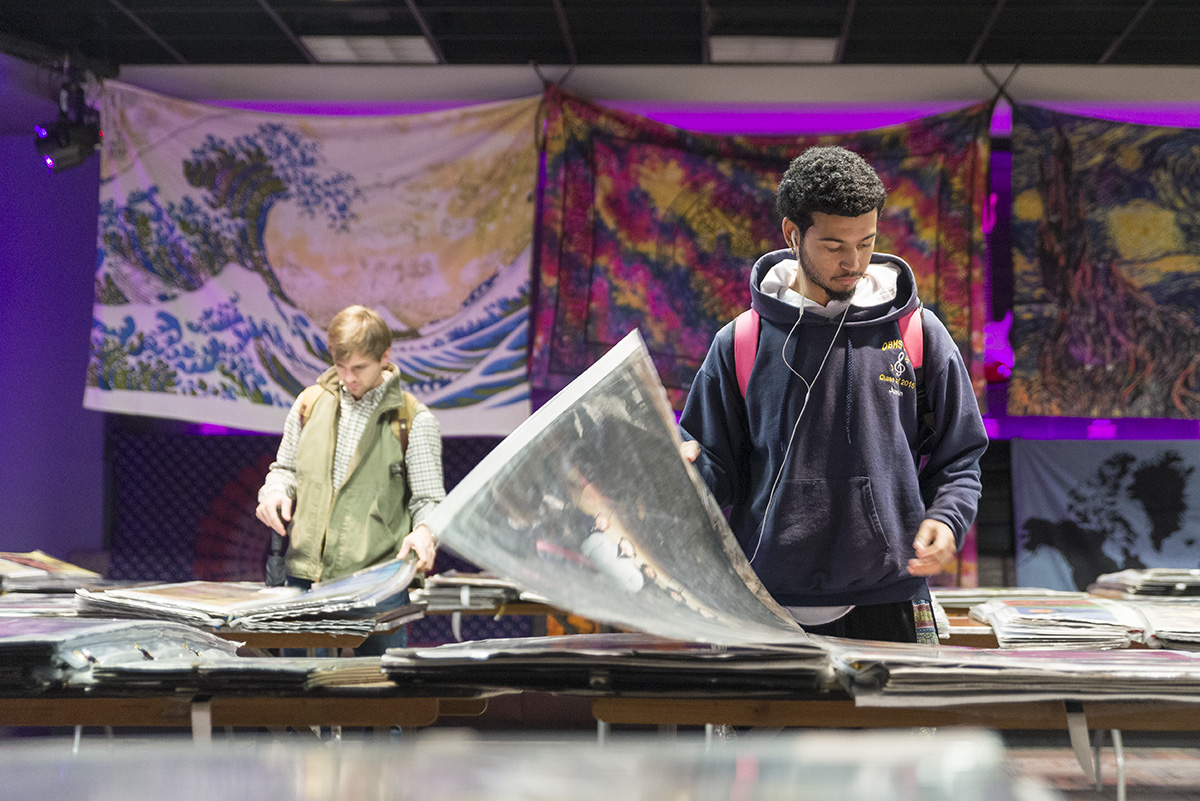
{"x": 648, "y": 226}
{"x": 1106, "y": 268}
{"x": 1082, "y": 508}
{"x": 227, "y": 240}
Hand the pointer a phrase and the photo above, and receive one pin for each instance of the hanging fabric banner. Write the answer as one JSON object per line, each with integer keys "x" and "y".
{"x": 228, "y": 239}
{"x": 1106, "y": 268}
{"x": 1082, "y": 508}
{"x": 648, "y": 226}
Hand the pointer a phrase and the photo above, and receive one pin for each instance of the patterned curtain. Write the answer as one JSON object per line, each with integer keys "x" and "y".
{"x": 228, "y": 239}
{"x": 1106, "y": 268}
{"x": 647, "y": 226}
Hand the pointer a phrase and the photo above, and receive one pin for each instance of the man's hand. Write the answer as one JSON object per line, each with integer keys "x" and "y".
{"x": 421, "y": 541}
{"x": 275, "y": 511}
{"x": 689, "y": 450}
{"x": 935, "y": 548}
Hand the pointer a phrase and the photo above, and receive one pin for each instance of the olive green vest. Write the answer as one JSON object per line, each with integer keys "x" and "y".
{"x": 338, "y": 530}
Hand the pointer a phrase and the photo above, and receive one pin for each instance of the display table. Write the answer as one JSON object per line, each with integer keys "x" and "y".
{"x": 270, "y": 640}
{"x": 201, "y": 713}
{"x": 1078, "y": 719}
{"x": 1128, "y": 715}
{"x": 970, "y": 633}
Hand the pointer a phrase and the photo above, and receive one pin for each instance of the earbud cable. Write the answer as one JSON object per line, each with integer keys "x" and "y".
{"x": 795, "y": 426}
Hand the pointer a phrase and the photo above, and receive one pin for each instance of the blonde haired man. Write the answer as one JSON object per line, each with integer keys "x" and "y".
{"x": 354, "y": 492}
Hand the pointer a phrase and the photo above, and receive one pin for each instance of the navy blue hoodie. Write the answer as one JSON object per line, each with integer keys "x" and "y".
{"x": 853, "y": 493}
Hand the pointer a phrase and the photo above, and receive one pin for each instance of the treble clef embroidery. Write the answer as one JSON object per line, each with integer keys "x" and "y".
{"x": 898, "y": 366}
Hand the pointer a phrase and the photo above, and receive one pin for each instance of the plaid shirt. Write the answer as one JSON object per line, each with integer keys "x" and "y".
{"x": 423, "y": 458}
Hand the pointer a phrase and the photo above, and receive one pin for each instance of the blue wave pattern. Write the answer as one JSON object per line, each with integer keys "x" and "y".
{"x": 187, "y": 303}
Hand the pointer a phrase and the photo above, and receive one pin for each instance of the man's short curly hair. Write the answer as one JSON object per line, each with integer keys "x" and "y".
{"x": 831, "y": 180}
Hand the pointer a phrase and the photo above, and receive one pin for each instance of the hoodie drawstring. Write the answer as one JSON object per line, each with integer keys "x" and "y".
{"x": 849, "y": 384}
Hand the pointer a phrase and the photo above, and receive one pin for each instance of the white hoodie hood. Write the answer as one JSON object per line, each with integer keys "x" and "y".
{"x": 878, "y": 285}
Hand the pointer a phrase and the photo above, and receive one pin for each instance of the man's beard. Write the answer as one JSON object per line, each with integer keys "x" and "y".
{"x": 811, "y": 277}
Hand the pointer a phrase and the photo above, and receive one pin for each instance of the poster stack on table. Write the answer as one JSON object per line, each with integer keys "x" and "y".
{"x": 40, "y": 653}
{"x": 362, "y": 603}
{"x": 967, "y": 597}
{"x": 952, "y": 604}
{"x": 1064, "y": 623}
{"x": 36, "y": 571}
{"x": 1169, "y": 599}
{"x": 625, "y": 663}
{"x": 901, "y": 674}
{"x": 454, "y": 591}
{"x": 1157, "y": 582}
{"x": 38, "y": 604}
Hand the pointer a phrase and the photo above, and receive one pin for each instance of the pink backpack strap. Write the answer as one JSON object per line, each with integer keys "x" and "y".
{"x": 912, "y": 334}
{"x": 745, "y": 346}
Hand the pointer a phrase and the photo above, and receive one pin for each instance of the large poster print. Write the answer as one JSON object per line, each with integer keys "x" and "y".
{"x": 227, "y": 239}
{"x": 648, "y": 226}
{"x": 1106, "y": 268}
{"x": 1084, "y": 508}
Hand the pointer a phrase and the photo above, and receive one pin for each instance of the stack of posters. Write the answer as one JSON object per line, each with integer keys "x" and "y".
{"x": 589, "y": 504}
{"x": 35, "y": 571}
{"x": 360, "y": 603}
{"x": 247, "y": 674}
{"x": 1087, "y": 623}
{"x": 1156, "y": 582}
{"x": 622, "y": 663}
{"x": 966, "y": 597}
{"x": 1171, "y": 624}
{"x": 47, "y": 652}
{"x": 453, "y": 591}
{"x": 895, "y": 674}
{"x": 40, "y": 604}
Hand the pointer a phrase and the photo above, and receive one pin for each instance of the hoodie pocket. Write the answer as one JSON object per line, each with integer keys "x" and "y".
{"x": 824, "y": 536}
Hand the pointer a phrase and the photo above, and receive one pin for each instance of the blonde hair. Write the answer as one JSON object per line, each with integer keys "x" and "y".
{"x": 357, "y": 329}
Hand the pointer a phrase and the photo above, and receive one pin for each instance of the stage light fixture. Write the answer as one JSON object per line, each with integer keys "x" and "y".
{"x": 74, "y": 136}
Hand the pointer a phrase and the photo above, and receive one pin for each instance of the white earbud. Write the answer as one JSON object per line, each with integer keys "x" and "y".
{"x": 799, "y": 269}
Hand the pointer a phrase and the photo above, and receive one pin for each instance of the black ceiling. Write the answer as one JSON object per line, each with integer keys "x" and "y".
{"x": 105, "y": 34}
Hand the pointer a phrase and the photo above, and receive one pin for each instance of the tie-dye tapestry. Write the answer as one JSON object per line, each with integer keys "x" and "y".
{"x": 228, "y": 239}
{"x": 648, "y": 226}
{"x": 1106, "y": 268}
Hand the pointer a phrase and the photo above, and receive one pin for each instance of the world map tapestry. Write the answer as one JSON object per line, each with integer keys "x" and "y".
{"x": 228, "y": 239}
{"x": 1106, "y": 268}
{"x": 648, "y": 226}
{"x": 1082, "y": 508}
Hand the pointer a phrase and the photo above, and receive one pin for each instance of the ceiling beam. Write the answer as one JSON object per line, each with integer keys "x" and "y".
{"x": 561, "y": 13}
{"x": 731, "y": 85}
{"x": 43, "y": 56}
{"x": 986, "y": 32}
{"x": 287, "y": 31}
{"x": 426, "y": 31}
{"x": 847, "y": 22}
{"x": 146, "y": 29}
{"x": 1133, "y": 23}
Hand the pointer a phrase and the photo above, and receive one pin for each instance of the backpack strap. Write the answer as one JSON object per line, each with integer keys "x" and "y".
{"x": 401, "y": 423}
{"x": 307, "y": 397}
{"x": 912, "y": 334}
{"x": 745, "y": 346}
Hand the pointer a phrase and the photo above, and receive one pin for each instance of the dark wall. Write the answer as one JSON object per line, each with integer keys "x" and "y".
{"x": 51, "y": 448}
